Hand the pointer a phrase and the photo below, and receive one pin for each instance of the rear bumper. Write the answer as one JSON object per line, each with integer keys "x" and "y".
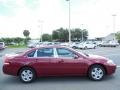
{"x": 9, "y": 70}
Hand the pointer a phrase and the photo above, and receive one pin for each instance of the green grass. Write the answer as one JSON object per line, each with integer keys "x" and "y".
{"x": 16, "y": 46}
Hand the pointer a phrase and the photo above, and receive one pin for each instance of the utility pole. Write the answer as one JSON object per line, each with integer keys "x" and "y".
{"x": 69, "y": 20}
{"x": 114, "y": 24}
{"x": 41, "y": 28}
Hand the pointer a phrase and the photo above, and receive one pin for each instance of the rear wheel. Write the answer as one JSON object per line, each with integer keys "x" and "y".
{"x": 27, "y": 75}
{"x": 96, "y": 72}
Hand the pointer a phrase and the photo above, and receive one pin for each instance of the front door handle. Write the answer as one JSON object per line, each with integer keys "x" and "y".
{"x": 61, "y": 61}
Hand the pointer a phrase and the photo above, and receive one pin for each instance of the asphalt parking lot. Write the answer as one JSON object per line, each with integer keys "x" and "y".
{"x": 65, "y": 83}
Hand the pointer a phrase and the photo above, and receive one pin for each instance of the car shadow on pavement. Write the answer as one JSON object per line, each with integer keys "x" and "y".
{"x": 15, "y": 80}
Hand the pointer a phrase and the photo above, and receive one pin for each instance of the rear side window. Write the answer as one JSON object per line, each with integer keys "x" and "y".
{"x": 45, "y": 52}
{"x": 1, "y": 43}
{"x": 31, "y": 54}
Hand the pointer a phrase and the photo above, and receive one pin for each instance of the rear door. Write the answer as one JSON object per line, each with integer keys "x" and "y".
{"x": 43, "y": 57}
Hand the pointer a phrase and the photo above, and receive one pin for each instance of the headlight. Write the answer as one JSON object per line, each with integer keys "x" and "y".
{"x": 110, "y": 62}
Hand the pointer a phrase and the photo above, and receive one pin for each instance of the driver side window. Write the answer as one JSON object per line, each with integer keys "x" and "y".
{"x": 62, "y": 52}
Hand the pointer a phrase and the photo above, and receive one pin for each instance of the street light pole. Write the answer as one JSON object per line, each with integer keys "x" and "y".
{"x": 40, "y": 21}
{"x": 114, "y": 24}
{"x": 82, "y": 31}
{"x": 69, "y": 20}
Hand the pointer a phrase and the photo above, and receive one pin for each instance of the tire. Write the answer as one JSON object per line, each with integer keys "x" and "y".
{"x": 74, "y": 47}
{"x": 94, "y": 47}
{"x": 96, "y": 72}
{"x": 85, "y": 47}
{"x": 27, "y": 75}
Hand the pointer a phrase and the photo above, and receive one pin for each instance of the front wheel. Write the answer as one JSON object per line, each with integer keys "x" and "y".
{"x": 85, "y": 47}
{"x": 94, "y": 47}
{"x": 27, "y": 75}
{"x": 74, "y": 47}
{"x": 96, "y": 72}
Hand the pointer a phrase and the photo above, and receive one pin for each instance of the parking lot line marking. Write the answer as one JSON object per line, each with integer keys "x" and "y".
{"x": 118, "y": 66}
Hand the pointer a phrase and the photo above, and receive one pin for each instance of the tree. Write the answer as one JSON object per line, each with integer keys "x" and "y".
{"x": 26, "y": 33}
{"x": 76, "y": 34}
{"x": 18, "y": 40}
{"x": 62, "y": 34}
{"x": 55, "y": 35}
{"x": 85, "y": 34}
{"x": 118, "y": 36}
{"x": 7, "y": 40}
{"x": 47, "y": 37}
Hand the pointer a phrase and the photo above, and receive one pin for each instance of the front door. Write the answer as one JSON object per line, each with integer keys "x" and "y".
{"x": 70, "y": 63}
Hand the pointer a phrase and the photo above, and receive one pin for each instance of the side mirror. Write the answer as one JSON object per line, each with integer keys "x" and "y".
{"x": 75, "y": 57}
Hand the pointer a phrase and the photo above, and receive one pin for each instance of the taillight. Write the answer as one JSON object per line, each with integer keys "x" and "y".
{"x": 7, "y": 63}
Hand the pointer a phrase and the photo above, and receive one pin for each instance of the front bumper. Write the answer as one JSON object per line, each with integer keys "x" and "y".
{"x": 111, "y": 69}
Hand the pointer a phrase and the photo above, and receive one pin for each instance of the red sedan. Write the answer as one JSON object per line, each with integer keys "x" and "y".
{"x": 57, "y": 61}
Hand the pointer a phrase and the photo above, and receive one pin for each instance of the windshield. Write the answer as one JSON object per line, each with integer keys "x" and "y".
{"x": 81, "y": 53}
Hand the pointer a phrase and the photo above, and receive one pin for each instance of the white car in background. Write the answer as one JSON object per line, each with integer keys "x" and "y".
{"x": 86, "y": 45}
{"x": 74, "y": 45}
{"x": 2, "y": 45}
{"x": 34, "y": 45}
{"x": 64, "y": 44}
{"x": 110, "y": 44}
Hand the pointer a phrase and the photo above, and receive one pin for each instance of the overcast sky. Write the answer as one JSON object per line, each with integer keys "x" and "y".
{"x": 48, "y": 15}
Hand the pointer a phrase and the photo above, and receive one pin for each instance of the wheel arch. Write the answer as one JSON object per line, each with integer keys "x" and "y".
{"x": 26, "y": 67}
{"x": 97, "y": 64}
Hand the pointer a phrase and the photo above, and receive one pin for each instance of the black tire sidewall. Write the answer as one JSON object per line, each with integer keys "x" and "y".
{"x": 27, "y": 68}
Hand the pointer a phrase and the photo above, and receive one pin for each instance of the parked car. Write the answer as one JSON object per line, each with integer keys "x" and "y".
{"x": 57, "y": 61}
{"x": 86, "y": 45}
{"x": 2, "y": 45}
{"x": 64, "y": 44}
{"x": 109, "y": 44}
{"x": 33, "y": 45}
{"x": 99, "y": 43}
{"x": 74, "y": 45}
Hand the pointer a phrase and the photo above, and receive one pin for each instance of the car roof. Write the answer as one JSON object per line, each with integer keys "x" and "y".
{"x": 51, "y": 46}
{"x": 46, "y": 46}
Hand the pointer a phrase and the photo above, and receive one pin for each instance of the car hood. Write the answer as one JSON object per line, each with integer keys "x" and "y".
{"x": 91, "y": 56}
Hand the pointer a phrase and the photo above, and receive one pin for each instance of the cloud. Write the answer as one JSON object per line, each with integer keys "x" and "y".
{"x": 32, "y": 4}
{"x": 11, "y": 7}
{"x": 7, "y": 7}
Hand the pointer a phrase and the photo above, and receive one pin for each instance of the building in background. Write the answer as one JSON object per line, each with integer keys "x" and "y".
{"x": 110, "y": 37}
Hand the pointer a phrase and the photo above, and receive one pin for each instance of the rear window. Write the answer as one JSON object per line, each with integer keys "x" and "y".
{"x": 1, "y": 43}
{"x": 45, "y": 52}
